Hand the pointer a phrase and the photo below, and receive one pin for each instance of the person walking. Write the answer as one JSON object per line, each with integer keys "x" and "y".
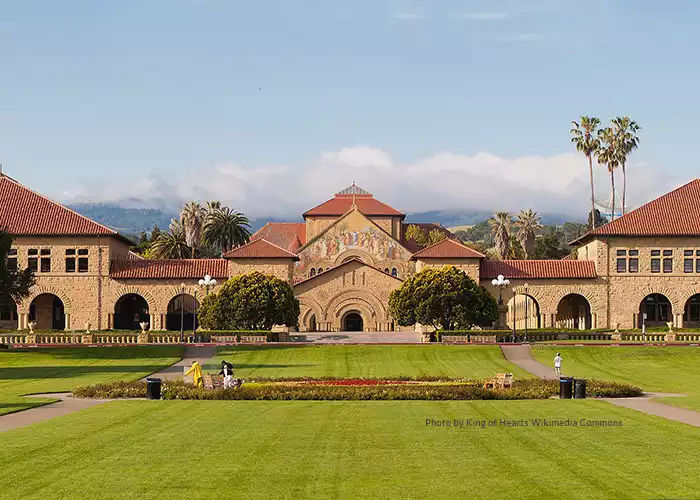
{"x": 557, "y": 364}
{"x": 227, "y": 372}
{"x": 196, "y": 372}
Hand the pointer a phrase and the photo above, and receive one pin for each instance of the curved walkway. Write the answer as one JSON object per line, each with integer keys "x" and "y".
{"x": 201, "y": 354}
{"x": 521, "y": 355}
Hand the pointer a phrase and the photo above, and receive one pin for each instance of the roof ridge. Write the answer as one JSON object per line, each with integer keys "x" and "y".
{"x": 116, "y": 233}
{"x": 353, "y": 259}
{"x": 446, "y": 239}
{"x": 252, "y": 242}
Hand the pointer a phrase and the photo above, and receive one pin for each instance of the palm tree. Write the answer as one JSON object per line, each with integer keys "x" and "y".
{"x": 213, "y": 205}
{"x": 193, "y": 216}
{"x": 627, "y": 140}
{"x": 609, "y": 155}
{"x": 171, "y": 244}
{"x": 528, "y": 223}
{"x": 225, "y": 228}
{"x": 583, "y": 135}
{"x": 500, "y": 229}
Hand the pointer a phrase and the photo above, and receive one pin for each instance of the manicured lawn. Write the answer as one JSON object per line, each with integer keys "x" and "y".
{"x": 655, "y": 369}
{"x": 35, "y": 371}
{"x": 365, "y": 361}
{"x": 348, "y": 450}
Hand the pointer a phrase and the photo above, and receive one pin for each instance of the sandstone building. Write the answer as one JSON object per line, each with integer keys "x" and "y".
{"x": 344, "y": 259}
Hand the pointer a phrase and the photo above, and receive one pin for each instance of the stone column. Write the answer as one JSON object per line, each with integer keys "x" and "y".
{"x": 110, "y": 321}
{"x": 678, "y": 323}
{"x": 594, "y": 320}
{"x": 66, "y": 325}
{"x": 152, "y": 321}
{"x": 501, "y": 322}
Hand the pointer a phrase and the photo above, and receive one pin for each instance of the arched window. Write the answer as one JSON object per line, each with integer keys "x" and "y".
{"x": 320, "y": 270}
{"x": 394, "y": 273}
{"x": 312, "y": 273}
{"x": 386, "y": 270}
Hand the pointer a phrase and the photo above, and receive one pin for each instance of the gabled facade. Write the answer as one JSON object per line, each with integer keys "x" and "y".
{"x": 344, "y": 260}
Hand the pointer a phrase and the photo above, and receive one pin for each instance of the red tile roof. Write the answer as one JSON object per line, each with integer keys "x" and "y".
{"x": 341, "y": 203}
{"x": 26, "y": 213}
{"x": 282, "y": 234}
{"x": 448, "y": 248}
{"x": 347, "y": 262}
{"x": 674, "y": 214}
{"x": 168, "y": 269}
{"x": 411, "y": 244}
{"x": 532, "y": 269}
{"x": 260, "y": 249}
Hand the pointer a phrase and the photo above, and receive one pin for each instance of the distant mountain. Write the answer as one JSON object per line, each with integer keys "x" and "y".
{"x": 452, "y": 218}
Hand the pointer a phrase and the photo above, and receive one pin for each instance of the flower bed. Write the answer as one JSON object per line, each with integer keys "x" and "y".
{"x": 356, "y": 390}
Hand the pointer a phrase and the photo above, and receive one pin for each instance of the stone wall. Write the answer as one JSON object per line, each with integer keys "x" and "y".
{"x": 469, "y": 266}
{"x": 280, "y": 268}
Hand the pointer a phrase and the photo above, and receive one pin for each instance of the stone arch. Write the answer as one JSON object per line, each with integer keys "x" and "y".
{"x": 180, "y": 312}
{"x": 594, "y": 300}
{"x": 355, "y": 297}
{"x": 530, "y": 317}
{"x": 662, "y": 290}
{"x": 41, "y": 290}
{"x": 309, "y": 307}
{"x": 355, "y": 252}
{"x": 688, "y": 294}
{"x": 153, "y": 305}
{"x": 354, "y": 313}
{"x": 574, "y": 311}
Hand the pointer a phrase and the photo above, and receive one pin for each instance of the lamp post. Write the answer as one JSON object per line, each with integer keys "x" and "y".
{"x": 501, "y": 283}
{"x": 515, "y": 312}
{"x": 182, "y": 312}
{"x": 206, "y": 282}
{"x": 525, "y": 287}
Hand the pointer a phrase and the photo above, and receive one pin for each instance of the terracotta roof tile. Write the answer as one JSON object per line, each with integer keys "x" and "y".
{"x": 537, "y": 269}
{"x": 448, "y": 248}
{"x": 168, "y": 269}
{"x": 282, "y": 234}
{"x": 674, "y": 214}
{"x": 260, "y": 249}
{"x": 341, "y": 203}
{"x": 24, "y": 212}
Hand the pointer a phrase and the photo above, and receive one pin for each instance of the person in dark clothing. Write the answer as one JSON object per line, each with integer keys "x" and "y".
{"x": 227, "y": 372}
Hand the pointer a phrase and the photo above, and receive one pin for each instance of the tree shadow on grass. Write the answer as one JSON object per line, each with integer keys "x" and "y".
{"x": 117, "y": 352}
{"x": 49, "y": 372}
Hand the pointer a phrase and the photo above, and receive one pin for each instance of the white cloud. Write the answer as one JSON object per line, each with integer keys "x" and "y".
{"x": 485, "y": 16}
{"x": 409, "y": 16}
{"x": 481, "y": 182}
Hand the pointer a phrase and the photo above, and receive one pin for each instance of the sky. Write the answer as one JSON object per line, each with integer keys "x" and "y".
{"x": 272, "y": 106}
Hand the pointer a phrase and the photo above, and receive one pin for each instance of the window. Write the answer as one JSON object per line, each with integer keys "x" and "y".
{"x": 82, "y": 264}
{"x": 70, "y": 260}
{"x": 312, "y": 273}
{"x": 668, "y": 253}
{"x": 83, "y": 251}
{"x": 45, "y": 260}
{"x": 33, "y": 251}
{"x": 634, "y": 265}
{"x": 12, "y": 259}
{"x": 621, "y": 253}
{"x": 687, "y": 265}
{"x": 655, "y": 265}
{"x": 386, "y": 270}
{"x": 621, "y": 265}
{"x": 697, "y": 266}
{"x": 320, "y": 270}
{"x": 33, "y": 261}
{"x": 668, "y": 265}
{"x": 394, "y": 273}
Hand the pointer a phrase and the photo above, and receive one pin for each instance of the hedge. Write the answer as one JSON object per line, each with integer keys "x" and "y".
{"x": 522, "y": 389}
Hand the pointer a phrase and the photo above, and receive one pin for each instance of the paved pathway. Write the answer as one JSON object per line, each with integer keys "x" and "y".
{"x": 201, "y": 354}
{"x": 357, "y": 337}
{"x": 521, "y": 355}
{"x": 66, "y": 405}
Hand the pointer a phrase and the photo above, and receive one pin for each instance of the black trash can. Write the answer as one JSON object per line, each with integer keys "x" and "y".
{"x": 580, "y": 389}
{"x": 153, "y": 388}
{"x": 566, "y": 387}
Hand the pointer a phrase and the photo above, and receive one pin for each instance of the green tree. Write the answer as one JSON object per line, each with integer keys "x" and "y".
{"x": 416, "y": 234}
{"x": 171, "y": 244}
{"x": 225, "y": 229}
{"x": 193, "y": 216}
{"x": 627, "y": 141}
{"x": 551, "y": 245}
{"x": 609, "y": 155}
{"x": 253, "y": 301}
{"x": 500, "y": 229}
{"x": 444, "y": 298}
{"x": 436, "y": 236}
{"x": 15, "y": 284}
{"x": 528, "y": 224}
{"x": 583, "y": 135}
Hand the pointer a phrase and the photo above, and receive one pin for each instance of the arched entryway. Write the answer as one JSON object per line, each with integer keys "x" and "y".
{"x": 657, "y": 309}
{"x": 312, "y": 323}
{"x": 8, "y": 314}
{"x": 524, "y": 312}
{"x": 129, "y": 311}
{"x": 180, "y": 314}
{"x": 691, "y": 315}
{"x": 574, "y": 311}
{"x": 352, "y": 322}
{"x": 48, "y": 312}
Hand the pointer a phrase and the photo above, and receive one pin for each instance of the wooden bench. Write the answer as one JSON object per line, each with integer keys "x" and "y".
{"x": 482, "y": 339}
{"x": 500, "y": 381}
{"x": 253, "y": 339}
{"x": 213, "y": 381}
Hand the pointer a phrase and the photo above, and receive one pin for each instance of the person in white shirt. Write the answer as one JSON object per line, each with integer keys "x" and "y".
{"x": 227, "y": 372}
{"x": 557, "y": 364}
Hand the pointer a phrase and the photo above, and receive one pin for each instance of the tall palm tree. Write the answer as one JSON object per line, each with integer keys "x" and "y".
{"x": 171, "y": 244}
{"x": 528, "y": 223}
{"x": 583, "y": 135}
{"x": 225, "y": 228}
{"x": 193, "y": 216}
{"x": 609, "y": 155}
{"x": 500, "y": 229}
{"x": 627, "y": 140}
{"x": 213, "y": 205}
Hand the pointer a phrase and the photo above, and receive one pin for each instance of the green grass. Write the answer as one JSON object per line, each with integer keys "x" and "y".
{"x": 36, "y": 371}
{"x": 347, "y": 450}
{"x": 655, "y": 369}
{"x": 366, "y": 361}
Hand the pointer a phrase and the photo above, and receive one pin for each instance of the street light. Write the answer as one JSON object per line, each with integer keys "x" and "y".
{"x": 525, "y": 287}
{"x": 206, "y": 282}
{"x": 501, "y": 283}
